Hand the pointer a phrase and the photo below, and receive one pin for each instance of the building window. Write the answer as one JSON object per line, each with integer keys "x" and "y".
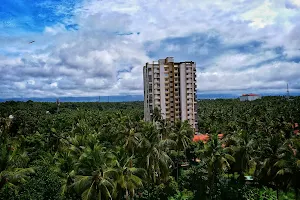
{"x": 150, "y": 90}
{"x": 166, "y": 75}
{"x": 150, "y": 78}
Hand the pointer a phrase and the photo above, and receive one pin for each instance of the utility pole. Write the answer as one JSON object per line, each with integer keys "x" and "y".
{"x": 287, "y": 91}
{"x": 57, "y": 104}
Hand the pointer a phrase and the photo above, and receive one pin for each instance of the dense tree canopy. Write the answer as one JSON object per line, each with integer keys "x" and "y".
{"x": 106, "y": 151}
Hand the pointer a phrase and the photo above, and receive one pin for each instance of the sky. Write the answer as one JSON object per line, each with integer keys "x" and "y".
{"x": 99, "y": 47}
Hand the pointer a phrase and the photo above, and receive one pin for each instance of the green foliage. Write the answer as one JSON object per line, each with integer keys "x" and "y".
{"x": 195, "y": 179}
{"x": 185, "y": 195}
{"x": 260, "y": 194}
{"x": 44, "y": 184}
{"x": 106, "y": 151}
{"x": 161, "y": 191}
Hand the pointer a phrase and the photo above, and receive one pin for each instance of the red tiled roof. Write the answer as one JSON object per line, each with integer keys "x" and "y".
{"x": 204, "y": 137}
{"x": 250, "y": 95}
{"x": 295, "y": 127}
{"x": 201, "y": 137}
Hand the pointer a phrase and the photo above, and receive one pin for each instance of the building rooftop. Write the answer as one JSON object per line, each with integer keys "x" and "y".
{"x": 250, "y": 95}
{"x": 204, "y": 137}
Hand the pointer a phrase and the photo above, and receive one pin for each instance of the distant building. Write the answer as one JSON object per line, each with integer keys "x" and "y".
{"x": 171, "y": 87}
{"x": 249, "y": 97}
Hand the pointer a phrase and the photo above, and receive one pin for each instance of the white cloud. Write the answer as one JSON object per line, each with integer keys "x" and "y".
{"x": 94, "y": 59}
{"x": 261, "y": 16}
{"x": 270, "y": 76}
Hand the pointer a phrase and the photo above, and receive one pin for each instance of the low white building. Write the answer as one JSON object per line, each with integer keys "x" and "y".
{"x": 249, "y": 97}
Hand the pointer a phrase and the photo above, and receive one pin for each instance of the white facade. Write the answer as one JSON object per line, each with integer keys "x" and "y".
{"x": 171, "y": 87}
{"x": 249, "y": 97}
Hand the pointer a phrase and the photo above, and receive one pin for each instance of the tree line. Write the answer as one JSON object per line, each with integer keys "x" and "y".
{"x": 106, "y": 151}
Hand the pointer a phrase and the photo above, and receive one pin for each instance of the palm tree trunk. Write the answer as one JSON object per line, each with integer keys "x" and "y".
{"x": 177, "y": 171}
{"x": 3, "y": 181}
{"x": 127, "y": 196}
{"x": 277, "y": 193}
{"x": 177, "y": 168}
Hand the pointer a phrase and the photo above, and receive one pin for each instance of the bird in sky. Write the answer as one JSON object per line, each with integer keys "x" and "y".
{"x": 31, "y": 42}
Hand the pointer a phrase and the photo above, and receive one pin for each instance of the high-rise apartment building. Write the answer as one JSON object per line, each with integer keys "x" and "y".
{"x": 171, "y": 87}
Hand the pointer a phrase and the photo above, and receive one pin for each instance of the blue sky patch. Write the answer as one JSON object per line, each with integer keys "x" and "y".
{"x": 34, "y": 15}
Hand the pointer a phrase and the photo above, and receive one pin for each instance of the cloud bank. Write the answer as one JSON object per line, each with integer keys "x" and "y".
{"x": 92, "y": 48}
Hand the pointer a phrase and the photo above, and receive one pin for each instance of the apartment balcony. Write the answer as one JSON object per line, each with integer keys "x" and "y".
{"x": 189, "y": 101}
{"x": 156, "y": 81}
{"x": 156, "y": 92}
{"x": 189, "y": 85}
{"x": 157, "y": 103}
{"x": 190, "y": 111}
{"x": 190, "y": 106}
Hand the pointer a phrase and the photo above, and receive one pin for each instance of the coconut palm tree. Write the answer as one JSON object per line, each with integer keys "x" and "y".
{"x": 182, "y": 135}
{"x": 153, "y": 153}
{"x": 95, "y": 174}
{"x": 217, "y": 159}
{"x": 129, "y": 178}
{"x": 289, "y": 164}
{"x": 13, "y": 166}
{"x": 242, "y": 149}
